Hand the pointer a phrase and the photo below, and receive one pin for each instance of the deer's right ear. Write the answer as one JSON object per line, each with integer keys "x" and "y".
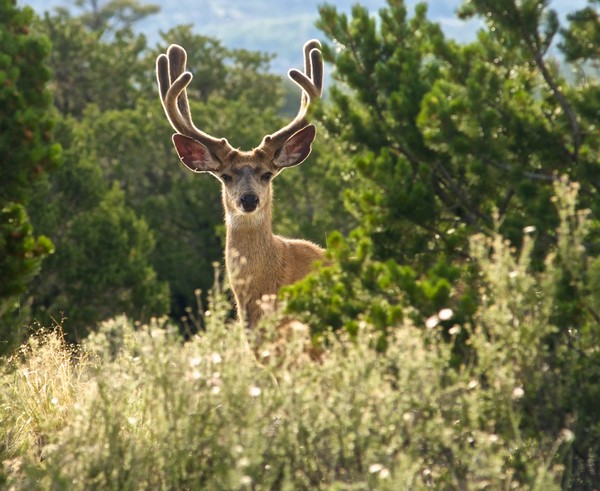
{"x": 194, "y": 154}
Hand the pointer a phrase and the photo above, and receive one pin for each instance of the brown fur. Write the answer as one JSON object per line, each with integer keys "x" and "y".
{"x": 260, "y": 263}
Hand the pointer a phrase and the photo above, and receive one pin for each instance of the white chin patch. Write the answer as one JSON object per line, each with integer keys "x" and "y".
{"x": 240, "y": 218}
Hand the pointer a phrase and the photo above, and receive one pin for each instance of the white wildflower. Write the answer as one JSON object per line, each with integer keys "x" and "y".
{"x": 432, "y": 322}
{"x": 518, "y": 393}
{"x": 454, "y": 330}
{"x": 567, "y": 435}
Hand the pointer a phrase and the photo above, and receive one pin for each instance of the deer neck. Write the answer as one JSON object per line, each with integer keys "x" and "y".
{"x": 249, "y": 234}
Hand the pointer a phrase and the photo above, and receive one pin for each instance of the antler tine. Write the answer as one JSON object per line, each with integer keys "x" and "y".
{"x": 165, "y": 88}
{"x": 312, "y": 61}
{"x": 317, "y": 72}
{"x": 162, "y": 76}
{"x": 177, "y": 57}
{"x": 172, "y": 83}
{"x": 311, "y": 83}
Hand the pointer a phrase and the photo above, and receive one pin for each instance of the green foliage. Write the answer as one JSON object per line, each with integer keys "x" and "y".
{"x": 444, "y": 136}
{"x": 529, "y": 339}
{"x": 103, "y": 261}
{"x": 114, "y": 15}
{"x": 356, "y": 290}
{"x": 20, "y": 258}
{"x": 562, "y": 321}
{"x": 582, "y": 38}
{"x": 102, "y": 267}
{"x": 389, "y": 184}
{"x": 446, "y": 141}
{"x": 26, "y": 123}
{"x": 27, "y": 153}
{"x": 86, "y": 69}
{"x": 23, "y": 251}
{"x": 457, "y": 153}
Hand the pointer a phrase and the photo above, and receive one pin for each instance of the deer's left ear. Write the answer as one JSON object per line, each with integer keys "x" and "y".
{"x": 295, "y": 150}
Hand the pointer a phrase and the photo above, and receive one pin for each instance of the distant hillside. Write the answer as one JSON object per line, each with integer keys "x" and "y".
{"x": 271, "y": 26}
{"x": 276, "y": 26}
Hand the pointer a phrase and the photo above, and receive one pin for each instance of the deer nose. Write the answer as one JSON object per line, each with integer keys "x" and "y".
{"x": 249, "y": 202}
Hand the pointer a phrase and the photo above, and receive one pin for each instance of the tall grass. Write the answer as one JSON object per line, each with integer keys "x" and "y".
{"x": 137, "y": 407}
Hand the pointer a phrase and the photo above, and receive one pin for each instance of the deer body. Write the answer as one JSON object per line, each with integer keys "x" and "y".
{"x": 258, "y": 262}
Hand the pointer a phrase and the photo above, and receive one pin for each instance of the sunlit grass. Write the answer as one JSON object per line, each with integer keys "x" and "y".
{"x": 136, "y": 407}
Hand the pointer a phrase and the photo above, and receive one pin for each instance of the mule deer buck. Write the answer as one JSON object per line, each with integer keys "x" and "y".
{"x": 258, "y": 262}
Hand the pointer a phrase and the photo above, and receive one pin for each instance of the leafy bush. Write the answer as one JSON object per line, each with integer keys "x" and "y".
{"x": 103, "y": 267}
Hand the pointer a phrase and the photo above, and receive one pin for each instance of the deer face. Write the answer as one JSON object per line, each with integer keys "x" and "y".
{"x": 246, "y": 186}
{"x": 246, "y": 176}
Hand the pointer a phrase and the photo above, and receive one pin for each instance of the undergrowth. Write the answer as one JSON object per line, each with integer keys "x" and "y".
{"x": 135, "y": 407}
{"x": 138, "y": 407}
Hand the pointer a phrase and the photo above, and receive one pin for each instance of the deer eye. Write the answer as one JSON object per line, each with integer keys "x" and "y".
{"x": 226, "y": 177}
{"x": 267, "y": 176}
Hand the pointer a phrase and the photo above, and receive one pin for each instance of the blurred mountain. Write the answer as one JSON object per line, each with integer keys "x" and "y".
{"x": 276, "y": 26}
{"x": 272, "y": 26}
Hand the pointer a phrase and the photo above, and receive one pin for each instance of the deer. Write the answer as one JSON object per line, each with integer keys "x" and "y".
{"x": 258, "y": 262}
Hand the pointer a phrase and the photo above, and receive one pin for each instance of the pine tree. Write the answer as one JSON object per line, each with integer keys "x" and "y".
{"x": 27, "y": 153}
